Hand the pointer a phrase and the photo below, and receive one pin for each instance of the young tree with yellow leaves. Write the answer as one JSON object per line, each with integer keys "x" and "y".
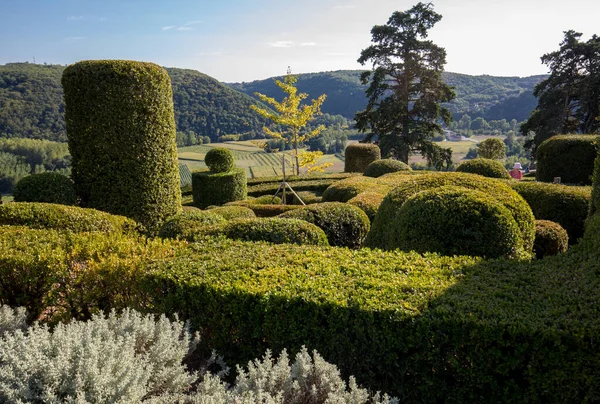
{"x": 290, "y": 115}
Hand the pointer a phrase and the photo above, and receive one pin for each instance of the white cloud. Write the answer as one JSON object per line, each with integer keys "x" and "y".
{"x": 168, "y": 27}
{"x": 184, "y": 28}
{"x": 76, "y": 18}
{"x": 281, "y": 44}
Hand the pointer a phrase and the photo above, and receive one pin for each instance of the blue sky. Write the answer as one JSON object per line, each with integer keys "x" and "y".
{"x": 235, "y": 40}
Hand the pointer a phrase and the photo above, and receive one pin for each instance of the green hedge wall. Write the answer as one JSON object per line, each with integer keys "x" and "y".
{"x": 563, "y": 204}
{"x": 121, "y": 131}
{"x": 486, "y": 167}
{"x": 570, "y": 157}
{"x": 190, "y": 225}
{"x": 275, "y": 230}
{"x": 550, "y": 239}
{"x": 301, "y": 185}
{"x": 210, "y": 188}
{"x": 595, "y": 201}
{"x": 40, "y": 215}
{"x": 233, "y": 212}
{"x": 45, "y": 187}
{"x": 384, "y": 166}
{"x": 358, "y": 156}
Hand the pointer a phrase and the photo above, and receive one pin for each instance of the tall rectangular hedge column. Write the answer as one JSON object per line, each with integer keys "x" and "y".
{"x": 121, "y": 131}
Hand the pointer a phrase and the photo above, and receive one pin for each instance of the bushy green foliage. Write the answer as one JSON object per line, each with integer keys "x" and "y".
{"x": 492, "y": 148}
{"x": 484, "y": 166}
{"x": 358, "y": 156}
{"x": 384, "y": 166}
{"x": 384, "y": 230}
{"x": 369, "y": 202}
{"x": 300, "y": 185}
{"x": 570, "y": 157}
{"x": 595, "y": 198}
{"x": 45, "y": 187}
{"x": 219, "y": 160}
{"x": 345, "y": 190}
{"x": 218, "y": 188}
{"x": 308, "y": 197}
{"x": 63, "y": 275}
{"x": 121, "y": 130}
{"x": 275, "y": 230}
{"x": 190, "y": 224}
{"x": 345, "y": 225}
{"x": 267, "y": 210}
{"x": 304, "y": 177}
{"x": 565, "y": 205}
{"x": 550, "y": 239}
{"x": 453, "y": 220}
{"x": 233, "y": 212}
{"x": 40, "y": 215}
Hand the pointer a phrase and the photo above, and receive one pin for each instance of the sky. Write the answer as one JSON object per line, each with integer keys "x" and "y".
{"x": 235, "y": 40}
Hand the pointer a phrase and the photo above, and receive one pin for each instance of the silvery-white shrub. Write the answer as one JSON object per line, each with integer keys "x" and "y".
{"x": 118, "y": 359}
{"x": 12, "y": 319}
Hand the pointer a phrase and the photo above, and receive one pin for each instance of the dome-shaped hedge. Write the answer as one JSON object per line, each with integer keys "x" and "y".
{"x": 570, "y": 157}
{"x": 275, "y": 230}
{"x": 358, "y": 156}
{"x": 219, "y": 160}
{"x": 348, "y": 188}
{"x": 385, "y": 166}
{"x": 550, "y": 239}
{"x": 384, "y": 228}
{"x": 233, "y": 212}
{"x": 345, "y": 225}
{"x": 190, "y": 225}
{"x": 457, "y": 221}
{"x": 369, "y": 203}
{"x": 486, "y": 167}
{"x": 45, "y": 187}
{"x": 38, "y": 215}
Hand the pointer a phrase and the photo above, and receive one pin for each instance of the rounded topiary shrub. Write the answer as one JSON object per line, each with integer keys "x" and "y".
{"x": 358, "y": 156}
{"x": 233, "y": 212}
{"x": 45, "y": 187}
{"x": 191, "y": 225}
{"x": 276, "y": 230}
{"x": 348, "y": 188}
{"x": 384, "y": 166}
{"x": 121, "y": 132}
{"x": 595, "y": 202}
{"x": 384, "y": 230}
{"x": 219, "y": 160}
{"x": 210, "y": 188}
{"x": 570, "y": 157}
{"x": 457, "y": 221}
{"x": 40, "y": 215}
{"x": 563, "y": 204}
{"x": 550, "y": 239}
{"x": 369, "y": 203}
{"x": 345, "y": 225}
{"x": 486, "y": 167}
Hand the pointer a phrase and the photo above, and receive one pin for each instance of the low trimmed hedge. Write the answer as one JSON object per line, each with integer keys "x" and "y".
{"x": 190, "y": 225}
{"x": 304, "y": 177}
{"x": 563, "y": 204}
{"x": 486, "y": 167}
{"x": 595, "y": 201}
{"x": 384, "y": 166}
{"x": 345, "y": 225}
{"x": 218, "y": 188}
{"x": 45, "y": 187}
{"x": 570, "y": 157}
{"x": 384, "y": 230}
{"x": 344, "y": 190}
{"x": 308, "y": 185}
{"x": 453, "y": 220}
{"x": 358, "y": 156}
{"x": 275, "y": 230}
{"x": 39, "y": 215}
{"x": 369, "y": 203}
{"x": 308, "y": 197}
{"x": 233, "y": 212}
{"x": 550, "y": 239}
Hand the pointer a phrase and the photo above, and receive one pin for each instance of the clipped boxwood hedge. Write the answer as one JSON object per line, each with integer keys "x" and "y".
{"x": 384, "y": 231}
{"x": 219, "y": 160}
{"x": 233, "y": 212}
{"x": 595, "y": 201}
{"x": 275, "y": 230}
{"x": 486, "y": 167}
{"x": 358, "y": 156}
{"x": 302, "y": 185}
{"x": 218, "y": 188}
{"x": 550, "y": 239}
{"x": 563, "y": 204}
{"x": 345, "y": 225}
{"x": 41, "y": 215}
{"x": 384, "y": 166}
{"x": 427, "y": 328}
{"x": 369, "y": 203}
{"x": 190, "y": 225}
{"x": 454, "y": 220}
{"x": 570, "y": 157}
{"x": 303, "y": 177}
{"x": 344, "y": 190}
{"x": 121, "y": 131}
{"x": 45, "y": 187}
{"x": 265, "y": 210}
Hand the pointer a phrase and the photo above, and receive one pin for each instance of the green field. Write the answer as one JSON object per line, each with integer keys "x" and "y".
{"x": 249, "y": 156}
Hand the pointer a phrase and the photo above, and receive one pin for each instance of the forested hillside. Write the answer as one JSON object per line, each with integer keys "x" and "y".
{"x": 31, "y": 104}
{"x": 478, "y": 96}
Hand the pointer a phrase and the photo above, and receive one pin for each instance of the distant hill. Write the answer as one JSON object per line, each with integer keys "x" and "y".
{"x": 475, "y": 95}
{"x": 32, "y": 106}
